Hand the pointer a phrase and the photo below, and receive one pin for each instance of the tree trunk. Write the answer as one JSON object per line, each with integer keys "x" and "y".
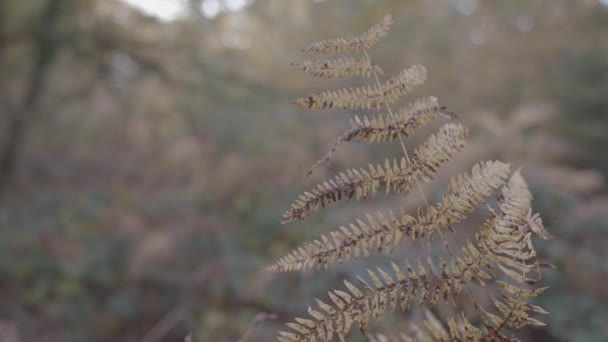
{"x": 45, "y": 49}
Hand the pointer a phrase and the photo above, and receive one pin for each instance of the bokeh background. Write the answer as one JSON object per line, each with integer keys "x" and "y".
{"x": 148, "y": 150}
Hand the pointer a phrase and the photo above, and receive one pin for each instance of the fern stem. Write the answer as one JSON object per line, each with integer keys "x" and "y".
{"x": 388, "y": 107}
{"x": 390, "y": 112}
{"x": 407, "y": 157}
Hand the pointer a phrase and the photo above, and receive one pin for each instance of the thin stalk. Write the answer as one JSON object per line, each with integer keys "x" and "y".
{"x": 390, "y": 112}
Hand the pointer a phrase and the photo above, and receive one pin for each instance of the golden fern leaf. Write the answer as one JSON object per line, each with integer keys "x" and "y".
{"x": 396, "y": 176}
{"x": 353, "y": 44}
{"x": 359, "y": 304}
{"x": 505, "y": 239}
{"x": 502, "y": 250}
{"x": 507, "y": 233}
{"x": 535, "y": 222}
{"x": 515, "y": 312}
{"x": 338, "y": 68}
{"x": 463, "y": 331}
{"x": 381, "y": 128}
{"x": 370, "y": 96}
{"x": 381, "y": 232}
{"x": 464, "y": 193}
{"x": 435, "y": 330}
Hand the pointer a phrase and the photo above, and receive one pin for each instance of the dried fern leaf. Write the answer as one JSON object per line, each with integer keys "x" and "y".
{"x": 371, "y": 299}
{"x": 353, "y": 44}
{"x": 380, "y": 232}
{"x": 367, "y": 97}
{"x": 463, "y": 331}
{"x": 506, "y": 241}
{"x": 435, "y": 326}
{"x": 382, "y": 128}
{"x": 399, "y": 177}
{"x": 405, "y": 122}
{"x": 502, "y": 241}
{"x": 535, "y": 223}
{"x": 359, "y": 303}
{"x": 464, "y": 193}
{"x": 386, "y": 291}
{"x": 338, "y": 68}
{"x": 502, "y": 251}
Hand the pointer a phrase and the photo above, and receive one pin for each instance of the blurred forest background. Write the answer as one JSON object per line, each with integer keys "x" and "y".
{"x": 147, "y": 154}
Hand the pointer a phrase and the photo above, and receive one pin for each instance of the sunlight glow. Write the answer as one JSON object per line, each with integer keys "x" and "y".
{"x": 235, "y": 5}
{"x": 165, "y": 10}
{"x": 211, "y": 8}
{"x": 168, "y": 10}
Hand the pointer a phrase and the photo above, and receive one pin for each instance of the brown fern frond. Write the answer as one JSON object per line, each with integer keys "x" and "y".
{"x": 464, "y": 193}
{"x": 370, "y": 96}
{"x": 338, "y": 68}
{"x": 399, "y": 177}
{"x": 462, "y": 331}
{"x": 535, "y": 222}
{"x": 437, "y": 332}
{"x": 505, "y": 239}
{"x": 359, "y": 304}
{"x": 380, "y": 232}
{"x": 382, "y": 128}
{"x": 353, "y": 44}
{"x": 405, "y": 122}
{"x": 502, "y": 251}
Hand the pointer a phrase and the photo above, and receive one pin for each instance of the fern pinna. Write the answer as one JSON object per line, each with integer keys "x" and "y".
{"x": 502, "y": 248}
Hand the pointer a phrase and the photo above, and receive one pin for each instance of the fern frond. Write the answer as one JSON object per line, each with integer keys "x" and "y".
{"x": 383, "y": 127}
{"x": 464, "y": 193}
{"x": 535, "y": 222}
{"x": 396, "y": 176}
{"x": 406, "y": 121}
{"x": 437, "y": 332}
{"x": 370, "y": 96}
{"x": 338, "y": 68}
{"x": 463, "y": 331}
{"x": 381, "y": 232}
{"x": 501, "y": 252}
{"x": 505, "y": 239}
{"x": 353, "y": 44}
{"x": 359, "y": 304}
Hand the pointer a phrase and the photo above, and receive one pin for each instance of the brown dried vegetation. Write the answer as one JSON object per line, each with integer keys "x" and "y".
{"x": 501, "y": 251}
